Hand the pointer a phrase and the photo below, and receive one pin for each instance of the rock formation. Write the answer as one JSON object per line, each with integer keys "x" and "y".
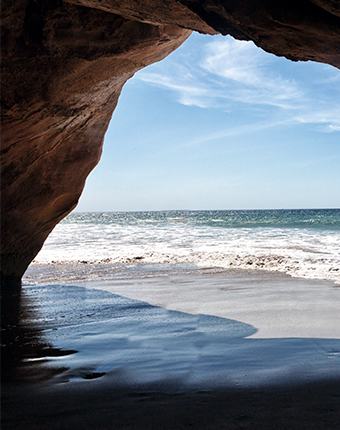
{"x": 64, "y": 64}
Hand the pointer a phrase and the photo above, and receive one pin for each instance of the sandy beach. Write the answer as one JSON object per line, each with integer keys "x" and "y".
{"x": 206, "y": 350}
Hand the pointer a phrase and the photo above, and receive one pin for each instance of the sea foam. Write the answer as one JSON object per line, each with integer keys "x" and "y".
{"x": 295, "y": 242}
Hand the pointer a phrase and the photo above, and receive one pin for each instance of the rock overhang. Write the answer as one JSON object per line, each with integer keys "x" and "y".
{"x": 64, "y": 65}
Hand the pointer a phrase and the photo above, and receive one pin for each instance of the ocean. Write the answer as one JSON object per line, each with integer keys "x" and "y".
{"x": 183, "y": 301}
{"x": 301, "y": 243}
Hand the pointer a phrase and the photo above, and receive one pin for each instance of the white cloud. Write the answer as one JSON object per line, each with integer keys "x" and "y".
{"x": 233, "y": 60}
{"x": 334, "y": 127}
{"x": 247, "y": 129}
{"x": 328, "y": 118}
{"x": 227, "y": 71}
{"x": 188, "y": 94}
{"x": 247, "y": 76}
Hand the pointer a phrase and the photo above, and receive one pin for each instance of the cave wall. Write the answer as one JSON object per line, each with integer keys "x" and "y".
{"x": 63, "y": 69}
{"x": 297, "y": 29}
{"x": 64, "y": 65}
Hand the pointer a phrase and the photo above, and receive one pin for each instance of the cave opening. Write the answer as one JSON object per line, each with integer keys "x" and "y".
{"x": 224, "y": 284}
{"x": 221, "y": 124}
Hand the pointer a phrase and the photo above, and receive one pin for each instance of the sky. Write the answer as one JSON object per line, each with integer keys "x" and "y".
{"x": 218, "y": 125}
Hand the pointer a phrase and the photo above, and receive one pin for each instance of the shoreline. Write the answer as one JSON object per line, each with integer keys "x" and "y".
{"x": 276, "y": 303}
{"x": 75, "y": 270}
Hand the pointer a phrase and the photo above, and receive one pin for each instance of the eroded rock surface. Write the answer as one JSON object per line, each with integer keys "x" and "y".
{"x": 63, "y": 67}
{"x": 60, "y": 87}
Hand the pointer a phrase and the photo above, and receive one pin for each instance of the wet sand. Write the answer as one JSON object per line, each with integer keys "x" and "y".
{"x": 309, "y": 406}
{"x": 231, "y": 350}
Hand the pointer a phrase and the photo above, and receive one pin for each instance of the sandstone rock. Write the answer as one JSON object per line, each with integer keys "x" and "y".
{"x": 296, "y": 29}
{"x": 60, "y": 88}
{"x": 63, "y": 67}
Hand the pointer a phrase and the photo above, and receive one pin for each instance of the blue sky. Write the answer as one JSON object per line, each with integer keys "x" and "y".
{"x": 220, "y": 124}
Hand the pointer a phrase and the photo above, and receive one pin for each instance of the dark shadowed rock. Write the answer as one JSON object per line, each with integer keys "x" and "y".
{"x": 60, "y": 87}
{"x": 64, "y": 65}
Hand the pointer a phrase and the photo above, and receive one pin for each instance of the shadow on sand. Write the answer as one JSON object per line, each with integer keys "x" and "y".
{"x": 79, "y": 357}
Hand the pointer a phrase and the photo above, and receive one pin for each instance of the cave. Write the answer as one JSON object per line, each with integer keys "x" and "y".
{"x": 64, "y": 64}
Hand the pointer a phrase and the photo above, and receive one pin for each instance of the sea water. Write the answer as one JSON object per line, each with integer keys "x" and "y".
{"x": 302, "y": 243}
{"x": 163, "y": 297}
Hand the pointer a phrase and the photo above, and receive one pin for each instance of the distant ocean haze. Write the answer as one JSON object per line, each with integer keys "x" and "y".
{"x": 301, "y": 243}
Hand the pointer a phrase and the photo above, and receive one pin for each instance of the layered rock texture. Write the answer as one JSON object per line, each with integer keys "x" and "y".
{"x": 64, "y": 64}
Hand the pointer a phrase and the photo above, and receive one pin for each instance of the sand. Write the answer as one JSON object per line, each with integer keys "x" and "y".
{"x": 231, "y": 350}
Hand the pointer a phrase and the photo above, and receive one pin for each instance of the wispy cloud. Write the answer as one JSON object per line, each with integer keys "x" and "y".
{"x": 188, "y": 93}
{"x": 327, "y": 118}
{"x": 227, "y": 72}
{"x": 234, "y": 131}
{"x": 245, "y": 73}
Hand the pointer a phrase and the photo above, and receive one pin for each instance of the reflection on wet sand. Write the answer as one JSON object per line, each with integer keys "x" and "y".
{"x": 130, "y": 340}
{"x": 76, "y": 357}
{"x": 24, "y": 348}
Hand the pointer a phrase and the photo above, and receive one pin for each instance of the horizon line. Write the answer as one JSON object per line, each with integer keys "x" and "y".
{"x": 206, "y": 210}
